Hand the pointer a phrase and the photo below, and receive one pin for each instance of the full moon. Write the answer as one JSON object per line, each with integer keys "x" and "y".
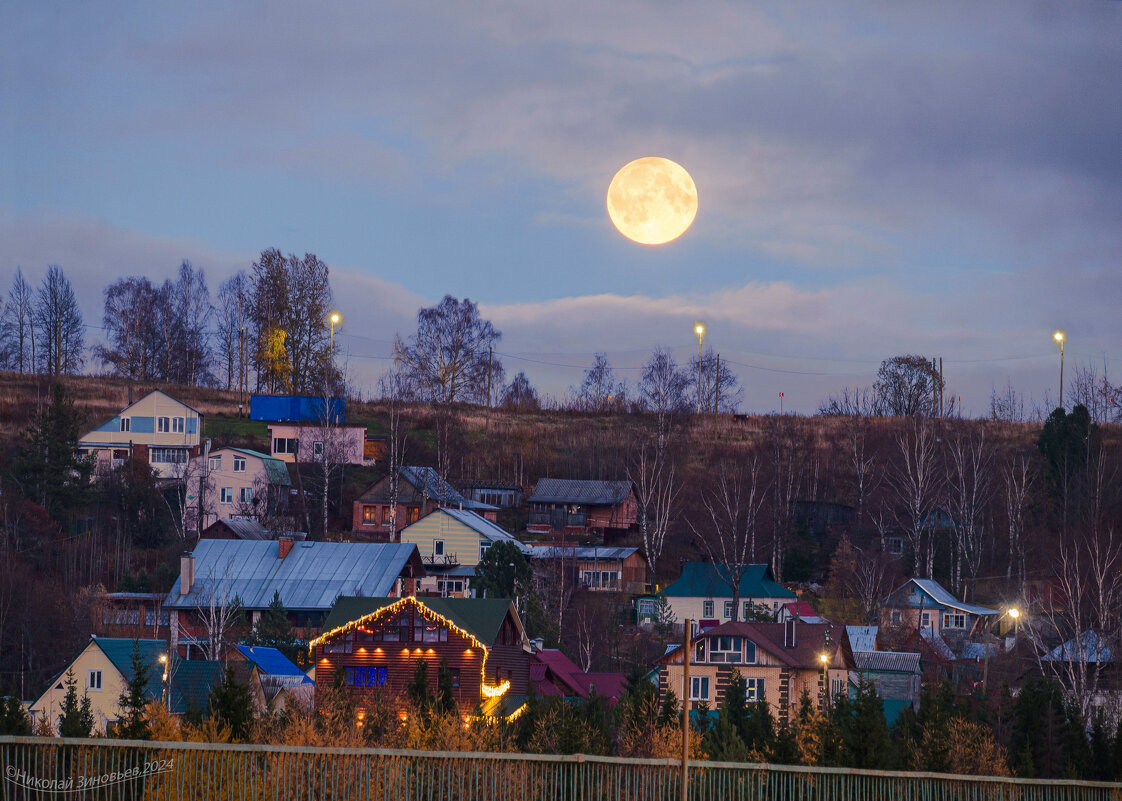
{"x": 652, "y": 200}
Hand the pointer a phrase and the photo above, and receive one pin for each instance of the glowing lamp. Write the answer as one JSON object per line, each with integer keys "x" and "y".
{"x": 1058, "y": 336}
{"x": 1014, "y": 612}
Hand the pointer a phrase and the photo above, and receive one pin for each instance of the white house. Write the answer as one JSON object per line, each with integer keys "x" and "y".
{"x": 704, "y": 593}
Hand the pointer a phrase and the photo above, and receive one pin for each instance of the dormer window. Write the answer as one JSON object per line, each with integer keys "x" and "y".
{"x": 725, "y": 649}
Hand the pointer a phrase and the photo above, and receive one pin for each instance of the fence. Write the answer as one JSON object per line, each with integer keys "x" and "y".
{"x": 41, "y": 768}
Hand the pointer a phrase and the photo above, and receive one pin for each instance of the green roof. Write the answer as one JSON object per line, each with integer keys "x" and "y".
{"x": 275, "y": 469}
{"x": 482, "y": 617}
{"x": 707, "y": 580}
{"x": 192, "y": 682}
{"x": 119, "y": 651}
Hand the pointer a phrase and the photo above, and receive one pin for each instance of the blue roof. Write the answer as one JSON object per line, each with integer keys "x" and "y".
{"x": 862, "y": 638}
{"x": 484, "y": 527}
{"x": 937, "y": 593}
{"x": 707, "y": 580}
{"x": 1087, "y": 648}
{"x": 271, "y": 661}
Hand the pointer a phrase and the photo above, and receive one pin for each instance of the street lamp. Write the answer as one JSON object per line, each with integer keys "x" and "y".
{"x": 335, "y": 319}
{"x": 1059, "y": 337}
{"x": 699, "y": 329}
{"x": 1013, "y": 613}
{"x": 164, "y": 679}
{"x": 824, "y": 658}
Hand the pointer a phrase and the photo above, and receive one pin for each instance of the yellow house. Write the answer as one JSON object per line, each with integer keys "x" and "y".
{"x": 451, "y": 543}
{"x": 102, "y": 670}
{"x": 160, "y": 430}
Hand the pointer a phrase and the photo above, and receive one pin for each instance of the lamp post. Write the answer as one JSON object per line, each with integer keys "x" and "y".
{"x": 825, "y": 659}
{"x": 1014, "y": 613}
{"x": 164, "y": 679}
{"x": 334, "y": 319}
{"x": 699, "y": 329}
{"x": 1059, "y": 337}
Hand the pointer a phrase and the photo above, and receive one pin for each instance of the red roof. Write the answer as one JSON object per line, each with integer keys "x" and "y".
{"x": 553, "y": 673}
{"x": 810, "y": 639}
{"x": 800, "y": 609}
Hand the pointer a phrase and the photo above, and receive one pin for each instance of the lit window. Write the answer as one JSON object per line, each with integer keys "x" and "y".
{"x": 239, "y": 464}
{"x": 227, "y": 495}
{"x": 699, "y": 688}
{"x": 370, "y": 514}
{"x": 163, "y": 425}
{"x": 125, "y": 421}
{"x": 364, "y": 676}
{"x": 754, "y": 690}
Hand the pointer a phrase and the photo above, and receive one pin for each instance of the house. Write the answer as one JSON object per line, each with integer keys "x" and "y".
{"x": 451, "y": 543}
{"x": 103, "y": 669}
{"x": 157, "y": 429}
{"x": 594, "y": 567}
{"x": 308, "y": 443}
{"x": 897, "y": 677}
{"x": 376, "y": 643}
{"x": 308, "y": 576}
{"x": 704, "y": 593}
{"x": 133, "y": 615}
{"x": 554, "y": 674}
{"x": 246, "y": 528}
{"x": 282, "y": 682}
{"x": 419, "y": 491}
{"x": 582, "y": 507}
{"x": 779, "y": 661}
{"x": 925, "y": 604}
{"x": 798, "y": 610}
{"x": 503, "y": 494}
{"x": 237, "y": 482}
{"x": 862, "y": 638}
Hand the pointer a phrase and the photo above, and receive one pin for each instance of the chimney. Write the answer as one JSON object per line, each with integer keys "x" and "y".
{"x": 789, "y": 638}
{"x": 186, "y": 572}
{"x": 537, "y": 644}
{"x": 284, "y": 545}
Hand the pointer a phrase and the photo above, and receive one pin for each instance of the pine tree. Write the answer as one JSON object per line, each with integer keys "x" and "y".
{"x": 231, "y": 705}
{"x": 1116, "y": 753}
{"x": 669, "y": 714}
{"x": 274, "y": 630}
{"x": 46, "y": 464}
{"x": 13, "y": 715}
{"x": 445, "y": 702}
{"x": 418, "y": 690}
{"x": 133, "y": 724}
{"x": 867, "y": 744}
{"x": 77, "y": 719}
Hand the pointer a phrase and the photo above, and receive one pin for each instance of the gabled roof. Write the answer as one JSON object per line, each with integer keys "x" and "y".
{"x": 1087, "y": 648}
{"x": 937, "y": 593}
{"x": 245, "y": 528}
{"x": 937, "y": 644}
{"x": 594, "y": 493}
{"x": 275, "y": 470}
{"x": 119, "y": 651}
{"x": 271, "y": 662}
{"x": 481, "y": 618}
{"x": 862, "y": 638}
{"x": 192, "y": 682}
{"x": 803, "y": 611}
{"x": 309, "y": 578}
{"x": 886, "y": 661}
{"x": 482, "y": 526}
{"x": 707, "y": 580}
{"x": 550, "y": 661}
{"x": 431, "y": 483}
{"x": 105, "y": 424}
{"x": 810, "y": 640}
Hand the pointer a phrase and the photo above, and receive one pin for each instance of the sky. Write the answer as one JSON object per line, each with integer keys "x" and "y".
{"x": 874, "y": 178}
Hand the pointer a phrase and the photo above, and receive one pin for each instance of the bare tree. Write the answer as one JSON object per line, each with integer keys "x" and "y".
{"x": 192, "y": 312}
{"x": 853, "y": 402}
{"x": 17, "y": 329}
{"x": 786, "y": 450}
{"x": 868, "y": 584}
{"x": 720, "y": 389}
{"x": 656, "y": 492}
{"x": 1089, "y": 579}
{"x": 600, "y": 391}
{"x": 969, "y": 492}
{"x": 58, "y": 321}
{"x": 1009, "y": 406}
{"x": 866, "y": 475}
{"x": 232, "y": 319}
{"x": 1094, "y": 392}
{"x": 396, "y": 389}
{"x": 1017, "y": 477}
{"x": 662, "y": 390}
{"x": 728, "y": 535}
{"x": 916, "y": 485}
{"x": 220, "y": 615}
{"x": 556, "y": 578}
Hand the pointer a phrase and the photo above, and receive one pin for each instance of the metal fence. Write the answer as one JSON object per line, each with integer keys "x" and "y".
{"x": 41, "y": 768}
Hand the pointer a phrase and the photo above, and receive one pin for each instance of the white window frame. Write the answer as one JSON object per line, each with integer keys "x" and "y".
{"x": 954, "y": 620}
{"x": 227, "y": 495}
{"x": 437, "y": 548}
{"x": 214, "y": 463}
{"x": 483, "y": 546}
{"x": 245, "y": 495}
{"x": 163, "y": 425}
{"x": 733, "y": 655}
{"x": 317, "y": 448}
{"x": 239, "y": 464}
{"x": 729, "y": 608}
{"x": 93, "y": 681}
{"x": 925, "y": 620}
{"x": 699, "y": 688}
{"x": 754, "y": 689}
{"x": 177, "y": 425}
{"x": 707, "y": 609}
{"x": 837, "y": 687}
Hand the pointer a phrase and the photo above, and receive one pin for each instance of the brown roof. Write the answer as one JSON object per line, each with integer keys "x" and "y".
{"x": 810, "y": 639}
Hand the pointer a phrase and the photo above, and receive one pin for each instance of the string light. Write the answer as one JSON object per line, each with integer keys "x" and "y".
{"x": 488, "y": 690}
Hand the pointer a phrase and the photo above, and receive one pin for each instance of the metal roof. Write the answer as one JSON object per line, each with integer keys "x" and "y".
{"x": 707, "y": 580}
{"x": 432, "y": 484}
{"x": 937, "y": 644}
{"x": 1087, "y": 648}
{"x": 275, "y": 470}
{"x": 580, "y": 552}
{"x": 561, "y": 490}
{"x": 862, "y": 638}
{"x": 482, "y": 526}
{"x": 940, "y": 595}
{"x": 246, "y": 528}
{"x": 310, "y": 577}
{"x": 271, "y": 661}
{"x": 886, "y": 661}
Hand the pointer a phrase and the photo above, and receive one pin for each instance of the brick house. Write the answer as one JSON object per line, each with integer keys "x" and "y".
{"x": 377, "y": 642}
{"x": 420, "y": 490}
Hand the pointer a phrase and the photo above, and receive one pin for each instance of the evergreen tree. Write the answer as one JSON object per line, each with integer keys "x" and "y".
{"x": 13, "y": 715}
{"x": 231, "y": 705}
{"x": 1100, "y": 767}
{"x": 867, "y": 743}
{"x": 77, "y": 719}
{"x": 133, "y": 723}
{"x": 670, "y": 713}
{"x": 418, "y": 690}
{"x": 46, "y": 464}
{"x": 445, "y": 702}
{"x": 759, "y": 729}
{"x": 1116, "y": 753}
{"x": 594, "y": 717}
{"x": 503, "y": 572}
{"x": 274, "y": 630}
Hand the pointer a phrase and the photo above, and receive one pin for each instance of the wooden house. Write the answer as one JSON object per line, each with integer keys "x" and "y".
{"x": 580, "y": 508}
{"x": 594, "y": 567}
{"x": 925, "y": 604}
{"x": 158, "y": 429}
{"x": 133, "y": 615}
{"x": 703, "y": 593}
{"x": 420, "y": 490}
{"x": 310, "y": 443}
{"x": 451, "y": 543}
{"x": 778, "y": 660}
{"x": 377, "y": 643}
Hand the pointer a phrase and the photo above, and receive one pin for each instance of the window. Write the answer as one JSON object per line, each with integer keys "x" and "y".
{"x": 434, "y": 633}
{"x": 163, "y": 425}
{"x": 177, "y": 425}
{"x": 729, "y": 608}
{"x": 894, "y": 546}
{"x": 227, "y": 495}
{"x": 707, "y": 609}
{"x": 317, "y": 449}
{"x": 483, "y": 546}
{"x": 215, "y": 463}
{"x": 747, "y": 610}
{"x": 725, "y": 649}
{"x": 925, "y": 620}
{"x": 954, "y": 621}
{"x": 455, "y": 678}
{"x": 449, "y": 586}
{"x": 749, "y": 652}
{"x": 896, "y": 619}
{"x": 245, "y": 495}
{"x": 646, "y": 606}
{"x": 414, "y": 513}
{"x": 437, "y": 548}
{"x": 239, "y": 464}
{"x": 370, "y": 514}
{"x": 125, "y": 421}
{"x": 754, "y": 690}
{"x": 837, "y": 687}
{"x": 167, "y": 456}
{"x": 94, "y": 680}
{"x": 283, "y": 445}
{"x": 699, "y": 688}
{"x": 364, "y": 676}
{"x": 341, "y": 645}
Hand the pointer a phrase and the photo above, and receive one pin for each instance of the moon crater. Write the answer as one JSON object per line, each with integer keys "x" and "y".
{"x": 652, "y": 200}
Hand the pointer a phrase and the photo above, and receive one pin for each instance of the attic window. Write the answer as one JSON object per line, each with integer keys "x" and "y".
{"x": 125, "y": 423}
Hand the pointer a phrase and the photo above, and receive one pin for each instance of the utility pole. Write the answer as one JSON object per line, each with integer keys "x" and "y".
{"x": 941, "y": 415}
{"x": 717, "y": 388}
{"x": 685, "y": 710}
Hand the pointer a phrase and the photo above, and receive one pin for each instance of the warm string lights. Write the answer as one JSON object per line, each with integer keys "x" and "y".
{"x": 488, "y": 690}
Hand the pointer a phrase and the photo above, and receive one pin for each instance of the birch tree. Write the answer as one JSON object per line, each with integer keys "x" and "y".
{"x": 221, "y": 614}
{"x": 17, "y": 329}
{"x": 1017, "y": 477}
{"x": 969, "y": 493}
{"x": 916, "y": 484}
{"x": 58, "y": 323}
{"x": 656, "y": 494}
